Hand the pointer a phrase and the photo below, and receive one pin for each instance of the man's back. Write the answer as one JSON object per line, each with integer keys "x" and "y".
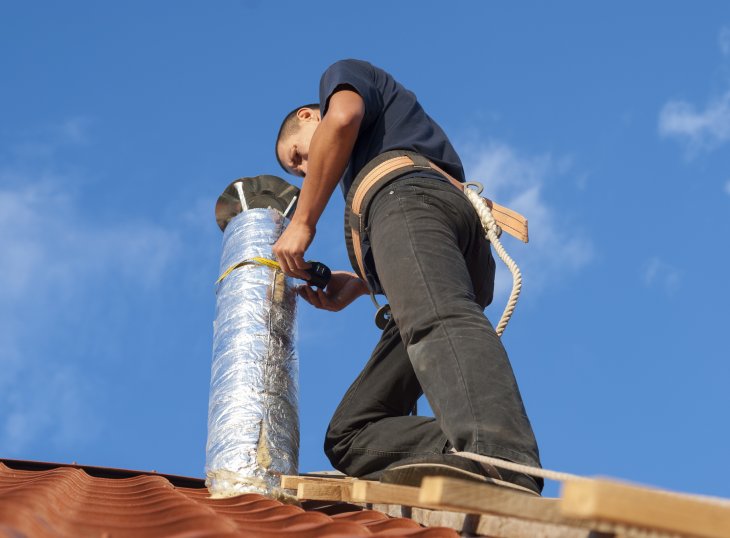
{"x": 393, "y": 119}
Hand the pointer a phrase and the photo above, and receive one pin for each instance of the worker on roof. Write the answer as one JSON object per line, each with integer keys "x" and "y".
{"x": 426, "y": 251}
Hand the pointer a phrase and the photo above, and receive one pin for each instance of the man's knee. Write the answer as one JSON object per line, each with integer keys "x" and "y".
{"x": 337, "y": 444}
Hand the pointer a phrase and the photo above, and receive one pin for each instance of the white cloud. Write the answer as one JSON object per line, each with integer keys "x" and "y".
{"x": 48, "y": 245}
{"x": 59, "y": 411}
{"x": 46, "y": 141}
{"x": 723, "y": 40}
{"x": 56, "y": 267}
{"x": 700, "y": 130}
{"x": 657, "y": 272}
{"x": 74, "y": 130}
{"x": 555, "y": 249}
{"x": 727, "y": 187}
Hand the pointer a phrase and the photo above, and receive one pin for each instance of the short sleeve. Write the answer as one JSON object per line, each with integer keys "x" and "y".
{"x": 361, "y": 77}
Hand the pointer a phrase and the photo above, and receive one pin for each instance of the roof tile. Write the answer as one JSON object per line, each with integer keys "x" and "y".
{"x": 52, "y": 500}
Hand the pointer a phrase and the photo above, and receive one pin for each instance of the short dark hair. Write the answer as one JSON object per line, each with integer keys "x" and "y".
{"x": 288, "y": 127}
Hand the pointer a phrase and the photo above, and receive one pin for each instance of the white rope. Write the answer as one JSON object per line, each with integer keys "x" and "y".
{"x": 493, "y": 232}
{"x": 519, "y": 468}
{"x": 562, "y": 477}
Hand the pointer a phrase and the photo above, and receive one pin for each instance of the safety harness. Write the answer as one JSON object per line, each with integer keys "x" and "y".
{"x": 388, "y": 167}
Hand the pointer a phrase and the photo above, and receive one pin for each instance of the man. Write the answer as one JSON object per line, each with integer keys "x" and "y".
{"x": 428, "y": 255}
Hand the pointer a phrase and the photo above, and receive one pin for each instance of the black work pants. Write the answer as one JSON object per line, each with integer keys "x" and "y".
{"x": 437, "y": 271}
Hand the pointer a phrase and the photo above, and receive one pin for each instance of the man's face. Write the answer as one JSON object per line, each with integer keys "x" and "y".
{"x": 293, "y": 151}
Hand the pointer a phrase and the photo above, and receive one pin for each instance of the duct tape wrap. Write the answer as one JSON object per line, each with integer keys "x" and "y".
{"x": 253, "y": 418}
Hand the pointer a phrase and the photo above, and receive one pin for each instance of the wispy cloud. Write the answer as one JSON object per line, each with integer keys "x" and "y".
{"x": 56, "y": 268}
{"x": 727, "y": 187}
{"x": 698, "y": 129}
{"x": 48, "y": 245}
{"x": 723, "y": 40}
{"x": 658, "y": 273}
{"x": 59, "y": 412}
{"x": 555, "y": 250}
{"x": 43, "y": 142}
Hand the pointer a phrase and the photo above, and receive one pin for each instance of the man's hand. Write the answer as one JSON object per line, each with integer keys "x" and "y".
{"x": 343, "y": 289}
{"x": 289, "y": 249}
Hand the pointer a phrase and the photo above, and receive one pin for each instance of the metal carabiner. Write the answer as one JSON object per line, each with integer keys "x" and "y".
{"x": 475, "y": 185}
{"x": 383, "y": 315}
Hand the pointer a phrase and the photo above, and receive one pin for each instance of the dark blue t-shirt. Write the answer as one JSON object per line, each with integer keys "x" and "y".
{"x": 394, "y": 119}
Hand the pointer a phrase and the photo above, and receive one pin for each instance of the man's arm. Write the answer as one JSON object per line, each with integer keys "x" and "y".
{"x": 329, "y": 153}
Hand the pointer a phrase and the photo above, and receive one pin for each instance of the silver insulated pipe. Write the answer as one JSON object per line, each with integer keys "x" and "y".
{"x": 253, "y": 417}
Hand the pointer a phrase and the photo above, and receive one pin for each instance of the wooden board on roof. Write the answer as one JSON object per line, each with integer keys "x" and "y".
{"x": 629, "y": 504}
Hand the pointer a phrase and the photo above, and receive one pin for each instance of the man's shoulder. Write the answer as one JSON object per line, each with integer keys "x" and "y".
{"x": 353, "y": 65}
{"x": 359, "y": 75}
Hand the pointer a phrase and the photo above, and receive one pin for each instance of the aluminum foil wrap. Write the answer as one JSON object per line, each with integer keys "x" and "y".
{"x": 253, "y": 417}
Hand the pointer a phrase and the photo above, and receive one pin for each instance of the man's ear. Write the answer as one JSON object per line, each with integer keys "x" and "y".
{"x": 307, "y": 114}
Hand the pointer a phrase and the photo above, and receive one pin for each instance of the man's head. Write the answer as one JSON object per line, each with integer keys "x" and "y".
{"x": 295, "y": 134}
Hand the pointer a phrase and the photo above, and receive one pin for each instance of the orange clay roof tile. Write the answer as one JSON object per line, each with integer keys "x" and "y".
{"x": 55, "y": 500}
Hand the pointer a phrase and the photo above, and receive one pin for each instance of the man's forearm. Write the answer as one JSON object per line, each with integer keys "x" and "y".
{"x": 329, "y": 152}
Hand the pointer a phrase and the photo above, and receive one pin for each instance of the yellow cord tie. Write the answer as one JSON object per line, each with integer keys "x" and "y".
{"x": 252, "y": 261}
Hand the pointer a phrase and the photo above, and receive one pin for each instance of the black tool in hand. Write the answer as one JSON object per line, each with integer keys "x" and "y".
{"x": 319, "y": 274}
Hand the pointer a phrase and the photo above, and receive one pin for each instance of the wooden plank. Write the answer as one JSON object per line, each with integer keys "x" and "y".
{"x": 472, "y": 497}
{"x": 325, "y": 490}
{"x": 608, "y": 500}
{"x": 289, "y": 481}
{"x": 375, "y": 492}
{"x": 513, "y": 518}
{"x": 327, "y": 474}
{"x": 293, "y": 481}
{"x": 485, "y": 524}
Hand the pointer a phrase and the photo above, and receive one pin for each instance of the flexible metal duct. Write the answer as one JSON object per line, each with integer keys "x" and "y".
{"x": 253, "y": 419}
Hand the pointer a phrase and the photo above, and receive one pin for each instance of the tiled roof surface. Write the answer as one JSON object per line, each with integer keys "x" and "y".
{"x": 56, "y": 500}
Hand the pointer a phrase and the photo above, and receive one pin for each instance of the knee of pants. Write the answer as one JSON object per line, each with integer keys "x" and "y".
{"x": 337, "y": 445}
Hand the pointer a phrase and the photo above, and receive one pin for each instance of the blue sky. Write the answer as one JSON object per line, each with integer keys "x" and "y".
{"x": 607, "y": 124}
